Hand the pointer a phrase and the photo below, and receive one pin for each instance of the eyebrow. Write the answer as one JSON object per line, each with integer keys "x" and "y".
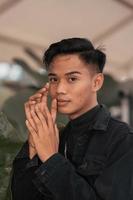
{"x": 69, "y": 73}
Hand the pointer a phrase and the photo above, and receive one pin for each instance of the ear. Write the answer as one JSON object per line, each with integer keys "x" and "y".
{"x": 98, "y": 80}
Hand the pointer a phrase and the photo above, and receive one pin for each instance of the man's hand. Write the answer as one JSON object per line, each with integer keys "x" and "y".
{"x": 29, "y": 105}
{"x": 45, "y": 137}
{"x": 42, "y": 127}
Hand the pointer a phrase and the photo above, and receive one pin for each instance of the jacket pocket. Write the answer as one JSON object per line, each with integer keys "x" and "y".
{"x": 92, "y": 165}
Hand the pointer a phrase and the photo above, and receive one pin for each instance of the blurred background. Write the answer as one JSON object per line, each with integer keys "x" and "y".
{"x": 27, "y": 28}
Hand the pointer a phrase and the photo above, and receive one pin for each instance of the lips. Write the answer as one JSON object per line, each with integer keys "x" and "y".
{"x": 62, "y": 102}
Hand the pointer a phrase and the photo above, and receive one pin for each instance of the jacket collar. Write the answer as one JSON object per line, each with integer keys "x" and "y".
{"x": 102, "y": 119}
{"x": 95, "y": 119}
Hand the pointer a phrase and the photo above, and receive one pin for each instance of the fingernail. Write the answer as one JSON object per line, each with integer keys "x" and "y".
{"x": 33, "y": 101}
{"x": 47, "y": 85}
{"x": 55, "y": 99}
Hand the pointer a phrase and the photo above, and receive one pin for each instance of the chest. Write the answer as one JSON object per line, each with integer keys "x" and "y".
{"x": 87, "y": 152}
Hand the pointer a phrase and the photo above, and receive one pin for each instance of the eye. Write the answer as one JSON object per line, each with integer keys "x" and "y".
{"x": 52, "y": 79}
{"x": 72, "y": 79}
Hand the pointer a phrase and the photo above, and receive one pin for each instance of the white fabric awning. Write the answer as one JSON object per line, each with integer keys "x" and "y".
{"x": 37, "y": 23}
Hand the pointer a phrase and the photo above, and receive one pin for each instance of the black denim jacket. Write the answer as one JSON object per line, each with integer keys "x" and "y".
{"x": 101, "y": 167}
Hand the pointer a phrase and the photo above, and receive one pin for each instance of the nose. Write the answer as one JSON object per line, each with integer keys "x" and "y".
{"x": 61, "y": 88}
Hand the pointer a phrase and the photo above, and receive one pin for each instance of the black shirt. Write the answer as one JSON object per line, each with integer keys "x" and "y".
{"x": 77, "y": 127}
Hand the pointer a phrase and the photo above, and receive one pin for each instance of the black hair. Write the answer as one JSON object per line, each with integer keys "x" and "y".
{"x": 81, "y": 46}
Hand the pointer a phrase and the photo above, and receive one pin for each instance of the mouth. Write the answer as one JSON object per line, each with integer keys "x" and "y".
{"x": 62, "y": 102}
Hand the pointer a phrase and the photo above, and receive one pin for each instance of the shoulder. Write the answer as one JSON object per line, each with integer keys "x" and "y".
{"x": 119, "y": 126}
{"x": 120, "y": 137}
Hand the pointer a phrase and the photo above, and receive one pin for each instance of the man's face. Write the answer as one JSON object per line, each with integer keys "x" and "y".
{"x": 71, "y": 82}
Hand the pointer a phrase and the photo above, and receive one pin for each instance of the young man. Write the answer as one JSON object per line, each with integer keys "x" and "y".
{"x": 92, "y": 157}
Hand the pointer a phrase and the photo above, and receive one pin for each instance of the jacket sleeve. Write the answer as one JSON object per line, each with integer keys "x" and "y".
{"x": 22, "y": 175}
{"x": 115, "y": 182}
{"x": 19, "y": 169}
{"x": 60, "y": 177}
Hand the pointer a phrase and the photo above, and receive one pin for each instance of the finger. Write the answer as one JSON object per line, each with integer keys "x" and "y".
{"x": 32, "y": 109}
{"x": 35, "y": 100}
{"x": 31, "y": 131}
{"x": 35, "y": 118}
{"x": 38, "y": 100}
{"x": 35, "y": 96}
{"x": 48, "y": 125}
{"x": 45, "y": 111}
{"x": 47, "y": 86}
{"x": 32, "y": 102}
{"x": 57, "y": 134}
{"x": 38, "y": 94}
{"x": 42, "y": 119}
{"x": 54, "y": 109}
{"x": 41, "y": 109}
{"x": 48, "y": 117}
{"x": 43, "y": 105}
{"x": 28, "y": 115}
{"x": 48, "y": 130}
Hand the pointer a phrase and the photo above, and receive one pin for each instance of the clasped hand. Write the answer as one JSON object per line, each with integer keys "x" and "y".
{"x": 43, "y": 132}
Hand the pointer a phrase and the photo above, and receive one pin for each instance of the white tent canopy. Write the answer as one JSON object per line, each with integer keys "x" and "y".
{"x": 35, "y": 24}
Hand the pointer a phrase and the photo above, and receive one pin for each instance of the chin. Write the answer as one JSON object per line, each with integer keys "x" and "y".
{"x": 64, "y": 110}
{"x": 67, "y": 111}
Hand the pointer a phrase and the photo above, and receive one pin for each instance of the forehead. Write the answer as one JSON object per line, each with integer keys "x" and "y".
{"x": 66, "y": 63}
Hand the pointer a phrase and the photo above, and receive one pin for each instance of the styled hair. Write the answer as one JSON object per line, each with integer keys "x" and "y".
{"x": 80, "y": 46}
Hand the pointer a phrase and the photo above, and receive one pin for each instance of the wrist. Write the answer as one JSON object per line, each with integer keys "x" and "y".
{"x": 32, "y": 151}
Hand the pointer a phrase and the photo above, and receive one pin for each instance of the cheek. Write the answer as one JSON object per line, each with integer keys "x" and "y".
{"x": 82, "y": 94}
{"x": 83, "y": 90}
{"x": 81, "y": 98}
